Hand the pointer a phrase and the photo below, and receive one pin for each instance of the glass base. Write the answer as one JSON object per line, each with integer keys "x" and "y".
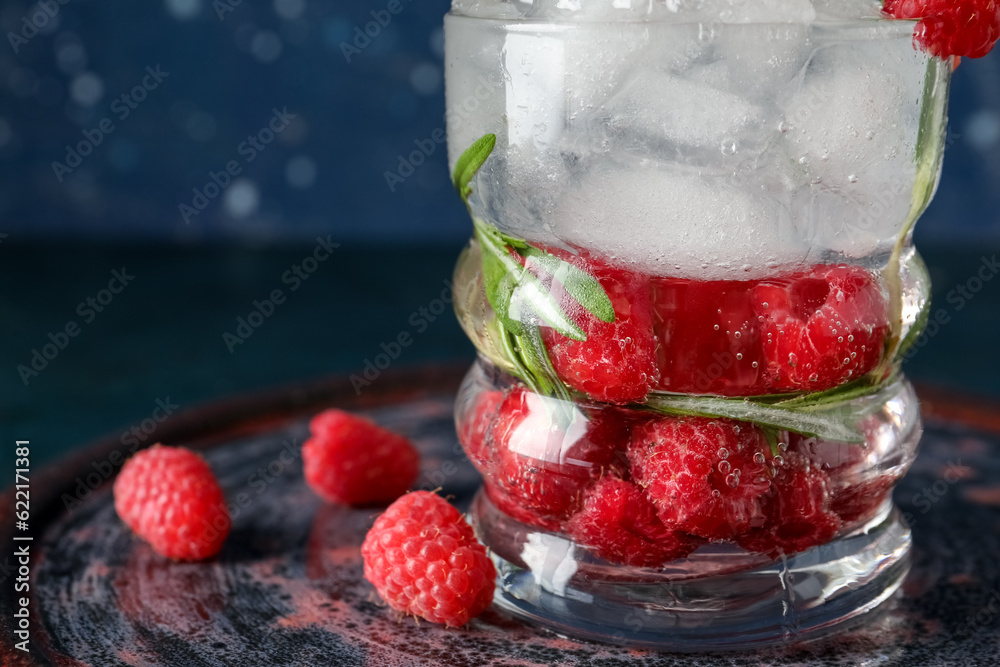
{"x": 719, "y": 598}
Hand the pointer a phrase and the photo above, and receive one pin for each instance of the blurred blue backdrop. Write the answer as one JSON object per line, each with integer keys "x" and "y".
{"x": 225, "y": 65}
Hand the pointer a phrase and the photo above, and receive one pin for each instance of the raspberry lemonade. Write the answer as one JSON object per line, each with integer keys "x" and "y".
{"x": 691, "y": 283}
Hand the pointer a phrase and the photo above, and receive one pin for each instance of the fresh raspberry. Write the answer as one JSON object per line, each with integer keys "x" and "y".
{"x": 617, "y": 362}
{"x": 856, "y": 487}
{"x": 547, "y": 451}
{"x": 352, "y": 461}
{"x": 708, "y": 338}
{"x": 621, "y": 525}
{"x": 836, "y": 458}
{"x": 512, "y": 506}
{"x": 474, "y": 425}
{"x": 423, "y": 559}
{"x": 797, "y": 510}
{"x": 860, "y": 500}
{"x": 821, "y": 328}
{"x": 707, "y": 477}
{"x": 967, "y": 28}
{"x": 169, "y": 497}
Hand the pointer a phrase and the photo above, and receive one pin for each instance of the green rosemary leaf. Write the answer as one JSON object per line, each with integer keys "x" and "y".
{"x": 470, "y": 162}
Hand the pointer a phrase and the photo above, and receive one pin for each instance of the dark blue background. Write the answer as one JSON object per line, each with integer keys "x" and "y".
{"x": 355, "y": 118}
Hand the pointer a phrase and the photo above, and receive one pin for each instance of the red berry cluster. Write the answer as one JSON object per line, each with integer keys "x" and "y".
{"x": 420, "y": 555}
{"x": 806, "y": 331}
{"x": 644, "y": 490}
{"x": 966, "y": 28}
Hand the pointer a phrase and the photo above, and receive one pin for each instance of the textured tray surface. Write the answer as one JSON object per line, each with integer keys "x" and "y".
{"x": 287, "y": 588}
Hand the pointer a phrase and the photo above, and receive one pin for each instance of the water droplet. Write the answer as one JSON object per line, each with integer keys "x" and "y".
{"x": 814, "y": 377}
{"x": 764, "y": 304}
{"x": 783, "y": 127}
{"x": 840, "y": 339}
{"x": 853, "y": 354}
{"x": 754, "y": 364}
{"x": 732, "y": 481}
{"x": 729, "y": 147}
{"x": 758, "y": 458}
{"x": 737, "y": 334}
{"x": 847, "y": 360}
{"x": 739, "y": 355}
{"x": 852, "y": 178}
{"x": 778, "y": 460}
{"x": 716, "y": 327}
{"x": 723, "y": 453}
{"x": 792, "y": 359}
{"x": 725, "y": 467}
{"x": 850, "y": 339}
{"x": 869, "y": 135}
{"x": 716, "y": 493}
{"x": 782, "y": 446}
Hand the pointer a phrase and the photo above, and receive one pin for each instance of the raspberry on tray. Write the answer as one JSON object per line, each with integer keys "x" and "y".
{"x": 423, "y": 559}
{"x": 353, "y": 461}
{"x": 170, "y": 498}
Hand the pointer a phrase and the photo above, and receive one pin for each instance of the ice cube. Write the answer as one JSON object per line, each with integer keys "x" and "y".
{"x": 759, "y": 61}
{"x": 656, "y": 107}
{"x": 475, "y": 86}
{"x": 842, "y": 117}
{"x": 617, "y": 47}
{"x": 678, "y": 223}
{"x": 763, "y": 11}
{"x": 847, "y": 9}
{"x": 851, "y": 128}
